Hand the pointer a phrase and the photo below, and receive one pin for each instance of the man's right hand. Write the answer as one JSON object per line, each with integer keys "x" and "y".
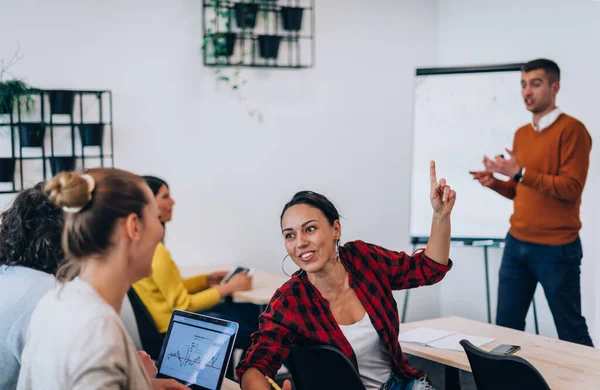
{"x": 485, "y": 178}
{"x": 287, "y": 385}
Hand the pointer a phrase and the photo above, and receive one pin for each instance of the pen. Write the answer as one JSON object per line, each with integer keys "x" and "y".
{"x": 273, "y": 384}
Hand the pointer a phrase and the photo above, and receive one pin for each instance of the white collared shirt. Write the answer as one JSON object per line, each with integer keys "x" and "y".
{"x": 547, "y": 120}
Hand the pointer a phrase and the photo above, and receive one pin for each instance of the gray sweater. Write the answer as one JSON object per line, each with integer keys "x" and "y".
{"x": 21, "y": 289}
{"x": 77, "y": 341}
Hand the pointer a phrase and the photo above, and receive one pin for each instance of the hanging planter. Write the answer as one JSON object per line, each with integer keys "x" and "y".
{"x": 245, "y": 14}
{"x": 31, "y": 135}
{"x": 291, "y": 18}
{"x": 268, "y": 45}
{"x": 223, "y": 44}
{"x": 7, "y": 169}
{"x": 6, "y": 104}
{"x": 91, "y": 134}
{"x": 62, "y": 164}
{"x": 61, "y": 102}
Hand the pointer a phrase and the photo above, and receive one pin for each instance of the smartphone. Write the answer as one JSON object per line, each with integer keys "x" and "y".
{"x": 505, "y": 349}
{"x": 237, "y": 271}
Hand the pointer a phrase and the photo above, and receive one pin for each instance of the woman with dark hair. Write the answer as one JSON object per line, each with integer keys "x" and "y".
{"x": 30, "y": 254}
{"x": 76, "y": 339}
{"x": 165, "y": 290}
{"x": 342, "y": 295}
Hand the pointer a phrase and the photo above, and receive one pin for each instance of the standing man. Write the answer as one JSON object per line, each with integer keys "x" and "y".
{"x": 547, "y": 169}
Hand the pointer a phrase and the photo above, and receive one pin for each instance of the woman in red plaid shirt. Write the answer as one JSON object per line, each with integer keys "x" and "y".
{"x": 342, "y": 295}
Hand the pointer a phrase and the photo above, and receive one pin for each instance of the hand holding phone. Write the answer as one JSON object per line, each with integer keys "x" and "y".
{"x": 505, "y": 349}
{"x": 235, "y": 271}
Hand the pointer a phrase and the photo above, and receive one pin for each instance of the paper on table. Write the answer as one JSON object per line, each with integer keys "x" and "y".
{"x": 452, "y": 342}
{"x": 440, "y": 338}
{"x": 423, "y": 336}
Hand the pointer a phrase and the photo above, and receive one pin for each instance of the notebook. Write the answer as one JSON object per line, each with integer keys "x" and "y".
{"x": 196, "y": 350}
{"x": 441, "y": 339}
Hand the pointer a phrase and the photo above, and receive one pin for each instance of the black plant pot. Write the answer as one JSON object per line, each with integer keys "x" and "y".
{"x": 6, "y": 104}
{"x": 31, "y": 135}
{"x": 61, "y": 102}
{"x": 268, "y": 45}
{"x": 92, "y": 134}
{"x": 7, "y": 169}
{"x": 62, "y": 164}
{"x": 291, "y": 18}
{"x": 223, "y": 44}
{"x": 245, "y": 14}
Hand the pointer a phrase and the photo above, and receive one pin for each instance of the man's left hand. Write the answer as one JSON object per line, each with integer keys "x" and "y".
{"x": 501, "y": 165}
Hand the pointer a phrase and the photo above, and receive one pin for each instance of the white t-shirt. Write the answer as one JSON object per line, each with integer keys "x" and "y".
{"x": 21, "y": 288}
{"x": 374, "y": 366}
{"x": 77, "y": 341}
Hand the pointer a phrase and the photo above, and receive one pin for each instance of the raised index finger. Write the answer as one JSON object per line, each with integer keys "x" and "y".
{"x": 432, "y": 175}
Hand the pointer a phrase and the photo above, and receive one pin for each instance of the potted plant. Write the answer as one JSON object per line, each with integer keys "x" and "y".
{"x": 7, "y": 169}
{"x": 31, "y": 134}
{"x": 268, "y": 45}
{"x": 91, "y": 134}
{"x": 61, "y": 164}
{"x": 61, "y": 102}
{"x": 245, "y": 14}
{"x": 223, "y": 44}
{"x": 291, "y": 18}
{"x": 12, "y": 90}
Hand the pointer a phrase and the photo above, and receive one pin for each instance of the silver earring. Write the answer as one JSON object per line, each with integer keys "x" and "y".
{"x": 337, "y": 250}
{"x": 283, "y": 269}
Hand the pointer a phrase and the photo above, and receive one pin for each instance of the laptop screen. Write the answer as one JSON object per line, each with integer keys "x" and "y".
{"x": 197, "y": 349}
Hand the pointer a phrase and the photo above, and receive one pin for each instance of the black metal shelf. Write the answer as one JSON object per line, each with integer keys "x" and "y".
{"x": 294, "y": 49}
{"x": 96, "y": 137}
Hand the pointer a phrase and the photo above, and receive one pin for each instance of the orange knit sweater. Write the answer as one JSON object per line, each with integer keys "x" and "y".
{"x": 547, "y": 200}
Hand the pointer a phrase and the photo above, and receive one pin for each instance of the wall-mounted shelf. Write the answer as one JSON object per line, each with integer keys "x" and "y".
{"x": 259, "y": 33}
{"x": 66, "y": 130}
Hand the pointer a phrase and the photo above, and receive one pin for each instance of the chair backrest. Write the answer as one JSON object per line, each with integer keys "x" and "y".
{"x": 149, "y": 335}
{"x": 322, "y": 367}
{"x": 499, "y": 372}
{"x": 128, "y": 318}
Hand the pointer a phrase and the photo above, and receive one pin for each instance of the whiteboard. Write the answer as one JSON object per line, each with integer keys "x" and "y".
{"x": 458, "y": 117}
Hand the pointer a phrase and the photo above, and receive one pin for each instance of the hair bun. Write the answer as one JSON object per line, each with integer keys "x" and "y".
{"x": 69, "y": 190}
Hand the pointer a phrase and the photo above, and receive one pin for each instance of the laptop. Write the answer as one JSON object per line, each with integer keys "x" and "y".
{"x": 196, "y": 350}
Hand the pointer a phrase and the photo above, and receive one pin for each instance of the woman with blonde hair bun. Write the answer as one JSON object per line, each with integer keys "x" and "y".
{"x": 76, "y": 339}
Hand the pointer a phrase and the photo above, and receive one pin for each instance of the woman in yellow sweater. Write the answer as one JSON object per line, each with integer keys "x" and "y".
{"x": 165, "y": 290}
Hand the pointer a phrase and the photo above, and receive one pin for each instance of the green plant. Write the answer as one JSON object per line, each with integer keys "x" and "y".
{"x": 217, "y": 48}
{"x": 14, "y": 89}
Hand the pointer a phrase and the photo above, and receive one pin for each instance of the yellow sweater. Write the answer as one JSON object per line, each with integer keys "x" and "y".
{"x": 165, "y": 290}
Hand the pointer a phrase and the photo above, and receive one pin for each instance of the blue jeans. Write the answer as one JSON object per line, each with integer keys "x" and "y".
{"x": 557, "y": 268}
{"x": 397, "y": 383}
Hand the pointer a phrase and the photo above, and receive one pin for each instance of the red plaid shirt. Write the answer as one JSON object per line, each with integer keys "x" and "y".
{"x": 298, "y": 313}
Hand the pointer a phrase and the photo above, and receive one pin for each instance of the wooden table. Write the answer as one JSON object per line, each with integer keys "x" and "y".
{"x": 229, "y": 385}
{"x": 564, "y": 365}
{"x": 264, "y": 284}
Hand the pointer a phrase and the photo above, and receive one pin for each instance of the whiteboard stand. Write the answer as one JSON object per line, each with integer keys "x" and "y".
{"x": 472, "y": 242}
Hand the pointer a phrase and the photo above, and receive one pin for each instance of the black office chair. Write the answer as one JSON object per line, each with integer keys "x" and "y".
{"x": 500, "y": 372}
{"x": 150, "y": 337}
{"x": 322, "y": 367}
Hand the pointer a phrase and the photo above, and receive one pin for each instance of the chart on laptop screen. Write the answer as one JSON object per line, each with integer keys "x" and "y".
{"x": 195, "y": 354}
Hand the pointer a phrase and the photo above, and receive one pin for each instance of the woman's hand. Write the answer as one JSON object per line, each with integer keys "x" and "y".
{"x": 215, "y": 277}
{"x": 148, "y": 363}
{"x": 238, "y": 282}
{"x": 442, "y": 196}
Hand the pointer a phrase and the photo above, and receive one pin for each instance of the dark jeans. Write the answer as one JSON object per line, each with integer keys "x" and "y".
{"x": 245, "y": 314}
{"x": 557, "y": 268}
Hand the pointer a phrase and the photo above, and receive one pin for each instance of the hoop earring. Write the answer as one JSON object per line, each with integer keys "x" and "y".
{"x": 337, "y": 251}
{"x": 283, "y": 269}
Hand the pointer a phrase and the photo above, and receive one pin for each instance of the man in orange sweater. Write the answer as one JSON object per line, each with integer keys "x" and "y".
{"x": 547, "y": 169}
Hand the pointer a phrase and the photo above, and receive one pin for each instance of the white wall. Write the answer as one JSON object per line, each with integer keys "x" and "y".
{"x": 343, "y": 128}
{"x": 488, "y": 32}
